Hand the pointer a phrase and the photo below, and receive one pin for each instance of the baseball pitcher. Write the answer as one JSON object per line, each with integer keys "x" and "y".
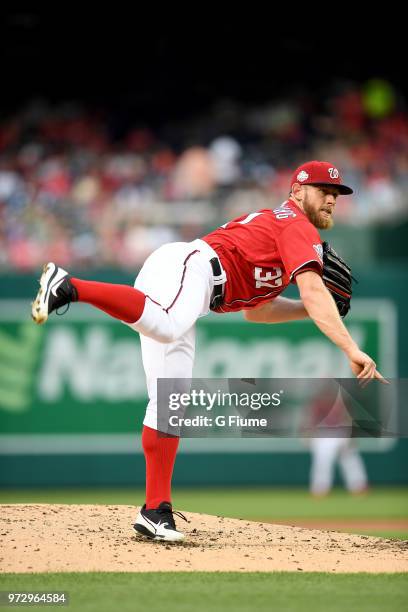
{"x": 243, "y": 265}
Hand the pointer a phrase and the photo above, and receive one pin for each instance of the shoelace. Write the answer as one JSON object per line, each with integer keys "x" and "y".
{"x": 181, "y": 515}
{"x": 71, "y": 295}
{"x": 66, "y": 310}
{"x": 170, "y": 515}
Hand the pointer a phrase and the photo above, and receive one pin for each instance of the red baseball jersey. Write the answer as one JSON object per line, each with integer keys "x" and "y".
{"x": 263, "y": 252}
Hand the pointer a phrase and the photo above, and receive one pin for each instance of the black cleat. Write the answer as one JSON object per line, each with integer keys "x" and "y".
{"x": 158, "y": 523}
{"x": 55, "y": 291}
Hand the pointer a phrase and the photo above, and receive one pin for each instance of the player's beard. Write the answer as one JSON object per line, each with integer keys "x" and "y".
{"x": 315, "y": 216}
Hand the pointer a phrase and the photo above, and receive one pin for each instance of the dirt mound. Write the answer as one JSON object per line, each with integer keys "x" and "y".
{"x": 67, "y": 538}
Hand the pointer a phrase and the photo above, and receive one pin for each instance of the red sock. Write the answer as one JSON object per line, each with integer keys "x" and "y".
{"x": 119, "y": 301}
{"x": 160, "y": 454}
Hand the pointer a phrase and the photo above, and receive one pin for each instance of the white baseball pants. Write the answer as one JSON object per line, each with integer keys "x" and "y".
{"x": 178, "y": 281}
{"x": 325, "y": 453}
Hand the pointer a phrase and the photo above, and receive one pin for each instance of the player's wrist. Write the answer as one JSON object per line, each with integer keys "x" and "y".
{"x": 351, "y": 349}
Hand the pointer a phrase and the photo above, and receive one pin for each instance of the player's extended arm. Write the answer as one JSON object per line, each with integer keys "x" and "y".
{"x": 278, "y": 310}
{"x": 323, "y": 310}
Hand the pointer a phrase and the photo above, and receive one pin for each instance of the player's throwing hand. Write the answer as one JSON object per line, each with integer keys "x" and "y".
{"x": 363, "y": 366}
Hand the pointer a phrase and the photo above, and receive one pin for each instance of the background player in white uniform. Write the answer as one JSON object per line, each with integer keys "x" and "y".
{"x": 244, "y": 265}
{"x": 326, "y": 453}
{"x": 330, "y": 413}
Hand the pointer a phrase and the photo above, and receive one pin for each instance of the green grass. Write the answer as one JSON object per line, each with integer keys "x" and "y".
{"x": 238, "y": 592}
{"x": 266, "y": 504}
{"x": 251, "y": 503}
{"x": 389, "y": 534}
{"x": 283, "y": 592}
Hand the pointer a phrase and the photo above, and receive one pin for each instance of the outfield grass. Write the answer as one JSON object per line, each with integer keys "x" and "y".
{"x": 238, "y": 592}
{"x": 393, "y": 534}
{"x": 250, "y": 503}
{"x": 284, "y": 592}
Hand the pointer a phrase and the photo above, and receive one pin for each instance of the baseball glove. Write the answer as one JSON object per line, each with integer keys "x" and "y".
{"x": 337, "y": 278}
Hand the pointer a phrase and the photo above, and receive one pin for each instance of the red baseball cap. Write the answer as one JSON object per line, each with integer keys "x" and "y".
{"x": 319, "y": 173}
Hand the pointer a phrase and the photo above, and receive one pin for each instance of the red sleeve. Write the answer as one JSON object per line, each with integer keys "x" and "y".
{"x": 300, "y": 248}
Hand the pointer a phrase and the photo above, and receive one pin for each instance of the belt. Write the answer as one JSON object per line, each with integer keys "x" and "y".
{"x": 217, "y": 295}
{"x": 219, "y": 275}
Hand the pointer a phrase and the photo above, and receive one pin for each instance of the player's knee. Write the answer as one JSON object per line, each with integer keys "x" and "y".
{"x": 157, "y": 324}
{"x": 166, "y": 336}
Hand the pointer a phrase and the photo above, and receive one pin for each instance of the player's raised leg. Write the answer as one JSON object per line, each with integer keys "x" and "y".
{"x": 177, "y": 292}
{"x": 58, "y": 288}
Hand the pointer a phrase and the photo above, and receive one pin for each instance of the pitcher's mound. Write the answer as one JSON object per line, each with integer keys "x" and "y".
{"x": 73, "y": 538}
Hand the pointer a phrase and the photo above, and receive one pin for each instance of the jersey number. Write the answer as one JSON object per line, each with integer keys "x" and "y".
{"x": 269, "y": 279}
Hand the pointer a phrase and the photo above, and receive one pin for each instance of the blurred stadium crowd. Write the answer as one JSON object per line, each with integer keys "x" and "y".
{"x": 86, "y": 188}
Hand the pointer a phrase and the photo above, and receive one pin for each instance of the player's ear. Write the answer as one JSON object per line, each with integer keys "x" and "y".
{"x": 297, "y": 189}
